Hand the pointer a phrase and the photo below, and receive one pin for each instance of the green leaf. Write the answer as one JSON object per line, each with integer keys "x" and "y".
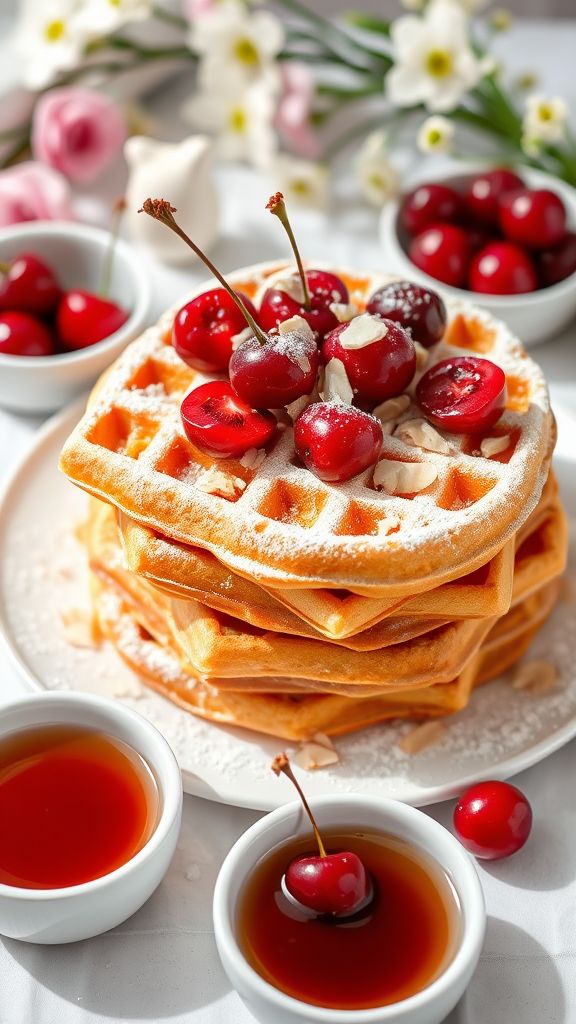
{"x": 368, "y": 22}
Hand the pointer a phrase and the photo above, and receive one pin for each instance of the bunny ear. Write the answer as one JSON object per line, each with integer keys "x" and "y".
{"x": 139, "y": 148}
{"x": 197, "y": 145}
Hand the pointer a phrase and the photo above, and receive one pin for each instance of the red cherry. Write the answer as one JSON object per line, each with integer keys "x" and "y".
{"x": 30, "y": 285}
{"x": 84, "y": 318}
{"x": 273, "y": 374}
{"x": 502, "y": 268}
{"x": 23, "y": 335}
{"x": 463, "y": 395}
{"x": 324, "y": 288}
{"x": 484, "y": 191}
{"x": 443, "y": 251}
{"x": 415, "y": 308}
{"x": 533, "y": 217}
{"x": 204, "y": 328}
{"x": 493, "y": 820}
{"x": 427, "y": 204}
{"x": 558, "y": 263}
{"x": 336, "y": 441}
{"x": 377, "y": 371}
{"x": 334, "y": 884}
{"x": 221, "y": 424}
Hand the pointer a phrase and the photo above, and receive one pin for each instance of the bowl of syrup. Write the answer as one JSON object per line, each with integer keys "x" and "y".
{"x": 90, "y": 805}
{"x": 408, "y": 952}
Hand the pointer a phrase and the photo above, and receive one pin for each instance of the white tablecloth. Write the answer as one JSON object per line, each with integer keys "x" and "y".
{"x": 162, "y": 964}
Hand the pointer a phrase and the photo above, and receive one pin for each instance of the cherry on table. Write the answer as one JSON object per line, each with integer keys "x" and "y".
{"x": 417, "y": 309}
{"x": 271, "y": 373}
{"x": 336, "y": 441}
{"x": 533, "y": 217}
{"x": 463, "y": 395}
{"x": 493, "y": 819}
{"x": 428, "y": 204}
{"x": 483, "y": 193}
{"x": 84, "y": 318}
{"x": 204, "y": 328}
{"x": 502, "y": 268}
{"x": 559, "y": 262}
{"x": 442, "y": 251}
{"x": 379, "y": 370}
{"x": 29, "y": 285}
{"x": 219, "y": 423}
{"x": 24, "y": 335}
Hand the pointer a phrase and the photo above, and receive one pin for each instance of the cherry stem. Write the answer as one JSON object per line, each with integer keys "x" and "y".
{"x": 115, "y": 220}
{"x": 280, "y": 764}
{"x": 277, "y": 206}
{"x": 160, "y": 209}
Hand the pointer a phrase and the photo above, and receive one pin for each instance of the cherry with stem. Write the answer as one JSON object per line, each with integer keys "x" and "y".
{"x": 281, "y": 765}
{"x": 277, "y": 206}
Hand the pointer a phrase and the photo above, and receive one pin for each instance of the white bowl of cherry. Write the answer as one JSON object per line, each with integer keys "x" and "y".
{"x": 504, "y": 239}
{"x": 61, "y": 323}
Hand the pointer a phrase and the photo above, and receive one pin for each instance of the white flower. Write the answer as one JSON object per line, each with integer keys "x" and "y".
{"x": 102, "y": 17}
{"x": 48, "y": 40}
{"x": 545, "y": 118}
{"x": 378, "y": 178}
{"x": 435, "y": 63}
{"x": 436, "y": 134}
{"x": 241, "y": 122}
{"x": 302, "y": 182}
{"x": 413, "y": 5}
{"x": 531, "y": 146}
{"x": 237, "y": 47}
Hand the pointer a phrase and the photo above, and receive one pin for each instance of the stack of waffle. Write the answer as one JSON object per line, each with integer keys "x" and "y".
{"x": 252, "y": 593}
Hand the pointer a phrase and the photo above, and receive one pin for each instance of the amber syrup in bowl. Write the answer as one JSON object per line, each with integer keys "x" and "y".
{"x": 392, "y": 949}
{"x": 75, "y": 804}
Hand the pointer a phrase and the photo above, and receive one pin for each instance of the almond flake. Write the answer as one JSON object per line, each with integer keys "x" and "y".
{"x": 422, "y": 737}
{"x": 494, "y": 445}
{"x": 404, "y": 477}
{"x": 420, "y": 434}
{"x": 318, "y": 752}
{"x": 253, "y": 458}
{"x": 239, "y": 339}
{"x": 362, "y": 331}
{"x": 223, "y": 485}
{"x": 79, "y": 628}
{"x": 336, "y": 386}
{"x": 288, "y": 282}
{"x": 343, "y": 311}
{"x": 296, "y": 324}
{"x": 536, "y": 677}
{"x": 299, "y": 404}
{"x": 422, "y": 355}
{"x": 392, "y": 408}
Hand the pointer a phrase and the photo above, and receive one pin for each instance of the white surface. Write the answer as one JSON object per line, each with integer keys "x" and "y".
{"x": 429, "y": 1006}
{"x": 162, "y": 965}
{"x": 82, "y": 911}
{"x": 502, "y": 730}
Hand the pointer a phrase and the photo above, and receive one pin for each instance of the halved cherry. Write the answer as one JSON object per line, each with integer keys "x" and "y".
{"x": 24, "y": 335}
{"x": 219, "y": 423}
{"x": 336, "y": 441}
{"x": 464, "y": 395}
{"x": 379, "y": 370}
{"x": 274, "y": 373}
{"x": 417, "y": 309}
{"x": 204, "y": 328}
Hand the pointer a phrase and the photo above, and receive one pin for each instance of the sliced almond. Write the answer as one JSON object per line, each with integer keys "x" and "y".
{"x": 295, "y": 323}
{"x": 289, "y": 282}
{"x": 223, "y": 485}
{"x": 422, "y": 737}
{"x": 315, "y": 753}
{"x": 404, "y": 477}
{"x": 79, "y": 627}
{"x": 422, "y": 355}
{"x": 494, "y": 445}
{"x": 363, "y": 330}
{"x": 336, "y": 386}
{"x": 299, "y": 404}
{"x": 253, "y": 458}
{"x": 536, "y": 677}
{"x": 242, "y": 336}
{"x": 343, "y": 311}
{"x": 420, "y": 434}
{"x": 392, "y": 408}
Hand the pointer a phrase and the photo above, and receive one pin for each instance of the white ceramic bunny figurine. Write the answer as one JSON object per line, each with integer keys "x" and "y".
{"x": 181, "y": 173}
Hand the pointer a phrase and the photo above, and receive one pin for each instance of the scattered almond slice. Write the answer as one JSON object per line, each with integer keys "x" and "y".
{"x": 422, "y": 355}
{"x": 223, "y": 485}
{"x": 336, "y": 387}
{"x": 239, "y": 339}
{"x": 536, "y": 677}
{"x": 288, "y": 282}
{"x": 317, "y": 752}
{"x": 343, "y": 311}
{"x": 362, "y": 331}
{"x": 404, "y": 477}
{"x": 79, "y": 627}
{"x": 253, "y": 458}
{"x": 422, "y": 737}
{"x": 299, "y": 404}
{"x": 420, "y": 434}
{"x": 295, "y": 323}
{"x": 392, "y": 408}
{"x": 494, "y": 445}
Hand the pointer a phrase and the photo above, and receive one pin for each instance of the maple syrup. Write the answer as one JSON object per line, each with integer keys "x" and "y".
{"x": 389, "y": 951}
{"x": 75, "y": 804}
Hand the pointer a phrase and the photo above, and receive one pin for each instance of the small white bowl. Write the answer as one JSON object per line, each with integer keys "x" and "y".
{"x": 266, "y": 1003}
{"x": 51, "y": 916}
{"x": 533, "y": 317}
{"x": 40, "y": 384}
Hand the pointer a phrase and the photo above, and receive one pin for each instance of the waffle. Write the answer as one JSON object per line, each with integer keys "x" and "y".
{"x": 284, "y": 528}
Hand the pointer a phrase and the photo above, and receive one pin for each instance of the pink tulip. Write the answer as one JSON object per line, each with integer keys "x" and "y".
{"x": 31, "y": 191}
{"x": 77, "y": 131}
{"x": 293, "y": 115}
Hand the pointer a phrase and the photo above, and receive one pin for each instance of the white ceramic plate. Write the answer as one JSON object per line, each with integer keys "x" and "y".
{"x": 42, "y": 574}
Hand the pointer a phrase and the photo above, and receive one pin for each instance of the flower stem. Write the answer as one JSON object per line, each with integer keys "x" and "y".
{"x": 117, "y": 211}
{"x": 329, "y": 30}
{"x": 171, "y": 19}
{"x": 277, "y": 206}
{"x": 162, "y": 211}
{"x": 361, "y": 128}
{"x": 281, "y": 764}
